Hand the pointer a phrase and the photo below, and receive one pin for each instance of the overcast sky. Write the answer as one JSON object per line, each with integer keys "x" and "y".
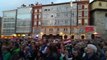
{"x": 13, "y": 4}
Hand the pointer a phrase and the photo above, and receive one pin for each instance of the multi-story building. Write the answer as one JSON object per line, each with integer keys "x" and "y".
{"x": 8, "y": 22}
{"x": 81, "y": 17}
{"x": 36, "y": 19}
{"x": 80, "y": 10}
{"x": 99, "y": 16}
{"x": 65, "y": 18}
{"x": 24, "y": 20}
{"x": 56, "y": 18}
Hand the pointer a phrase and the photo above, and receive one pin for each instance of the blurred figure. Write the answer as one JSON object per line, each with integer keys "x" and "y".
{"x": 91, "y": 53}
{"x": 106, "y": 55}
{"x": 52, "y": 53}
{"x": 1, "y": 57}
{"x": 6, "y": 52}
{"x": 75, "y": 55}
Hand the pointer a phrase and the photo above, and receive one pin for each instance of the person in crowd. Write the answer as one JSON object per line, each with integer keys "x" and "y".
{"x": 91, "y": 53}
{"x": 52, "y": 49}
{"x": 1, "y": 57}
{"x": 76, "y": 55}
{"x": 6, "y": 52}
{"x": 106, "y": 55}
{"x": 52, "y": 53}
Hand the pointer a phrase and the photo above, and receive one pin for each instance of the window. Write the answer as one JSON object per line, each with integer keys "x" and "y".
{"x": 35, "y": 23}
{"x": 66, "y": 14}
{"x": 65, "y": 29}
{"x": 85, "y": 13}
{"x": 48, "y": 9}
{"x": 51, "y": 29}
{"x": 57, "y": 29}
{"x": 79, "y": 21}
{"x": 39, "y": 15}
{"x": 51, "y": 15}
{"x": 35, "y": 16}
{"x": 40, "y": 10}
{"x": 35, "y": 10}
{"x": 66, "y": 22}
{"x": 86, "y": 21}
{"x": 100, "y": 4}
{"x": 45, "y": 9}
{"x": 57, "y": 14}
{"x": 45, "y": 29}
{"x": 106, "y": 15}
{"x": 85, "y": 6}
{"x": 79, "y": 6}
{"x": 80, "y": 13}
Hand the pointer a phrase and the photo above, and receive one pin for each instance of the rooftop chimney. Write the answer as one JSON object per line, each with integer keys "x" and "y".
{"x": 52, "y": 2}
{"x": 23, "y": 5}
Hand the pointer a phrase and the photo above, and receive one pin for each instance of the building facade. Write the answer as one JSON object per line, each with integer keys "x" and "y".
{"x": 36, "y": 19}
{"x": 8, "y": 22}
{"x": 82, "y": 12}
{"x": 56, "y": 18}
{"x": 99, "y": 16}
{"x": 61, "y": 18}
{"x": 24, "y": 20}
{"x": 81, "y": 17}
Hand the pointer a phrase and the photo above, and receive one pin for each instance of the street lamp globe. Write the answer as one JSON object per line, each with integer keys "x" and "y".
{"x": 95, "y": 33}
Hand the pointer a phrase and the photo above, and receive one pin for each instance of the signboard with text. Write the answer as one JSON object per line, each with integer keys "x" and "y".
{"x": 89, "y": 29}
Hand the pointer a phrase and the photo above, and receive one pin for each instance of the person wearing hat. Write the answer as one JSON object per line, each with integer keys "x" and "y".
{"x": 91, "y": 53}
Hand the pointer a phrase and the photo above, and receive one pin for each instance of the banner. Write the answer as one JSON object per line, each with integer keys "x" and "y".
{"x": 89, "y": 29}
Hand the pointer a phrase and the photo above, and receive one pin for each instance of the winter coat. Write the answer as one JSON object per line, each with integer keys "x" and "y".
{"x": 93, "y": 57}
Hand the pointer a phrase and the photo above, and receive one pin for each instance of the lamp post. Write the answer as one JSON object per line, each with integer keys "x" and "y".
{"x": 41, "y": 34}
{"x": 61, "y": 33}
{"x": 71, "y": 17}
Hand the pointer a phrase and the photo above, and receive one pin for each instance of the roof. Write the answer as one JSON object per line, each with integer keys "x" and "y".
{"x": 9, "y": 10}
{"x": 53, "y": 4}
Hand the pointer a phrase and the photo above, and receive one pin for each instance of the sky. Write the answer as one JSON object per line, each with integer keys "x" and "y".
{"x": 13, "y": 4}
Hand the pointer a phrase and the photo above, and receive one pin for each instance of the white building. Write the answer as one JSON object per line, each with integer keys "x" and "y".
{"x": 24, "y": 20}
{"x": 56, "y": 18}
{"x": 8, "y": 22}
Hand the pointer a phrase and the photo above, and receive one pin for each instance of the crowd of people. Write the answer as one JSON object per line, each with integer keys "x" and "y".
{"x": 53, "y": 49}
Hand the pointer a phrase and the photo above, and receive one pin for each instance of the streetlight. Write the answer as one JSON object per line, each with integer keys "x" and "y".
{"x": 71, "y": 15}
{"x": 95, "y": 33}
{"x": 14, "y": 35}
{"x": 41, "y": 34}
{"x": 61, "y": 33}
{"x": 23, "y": 35}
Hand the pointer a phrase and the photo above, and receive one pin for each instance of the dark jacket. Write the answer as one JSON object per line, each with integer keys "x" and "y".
{"x": 77, "y": 58}
{"x": 93, "y": 57}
